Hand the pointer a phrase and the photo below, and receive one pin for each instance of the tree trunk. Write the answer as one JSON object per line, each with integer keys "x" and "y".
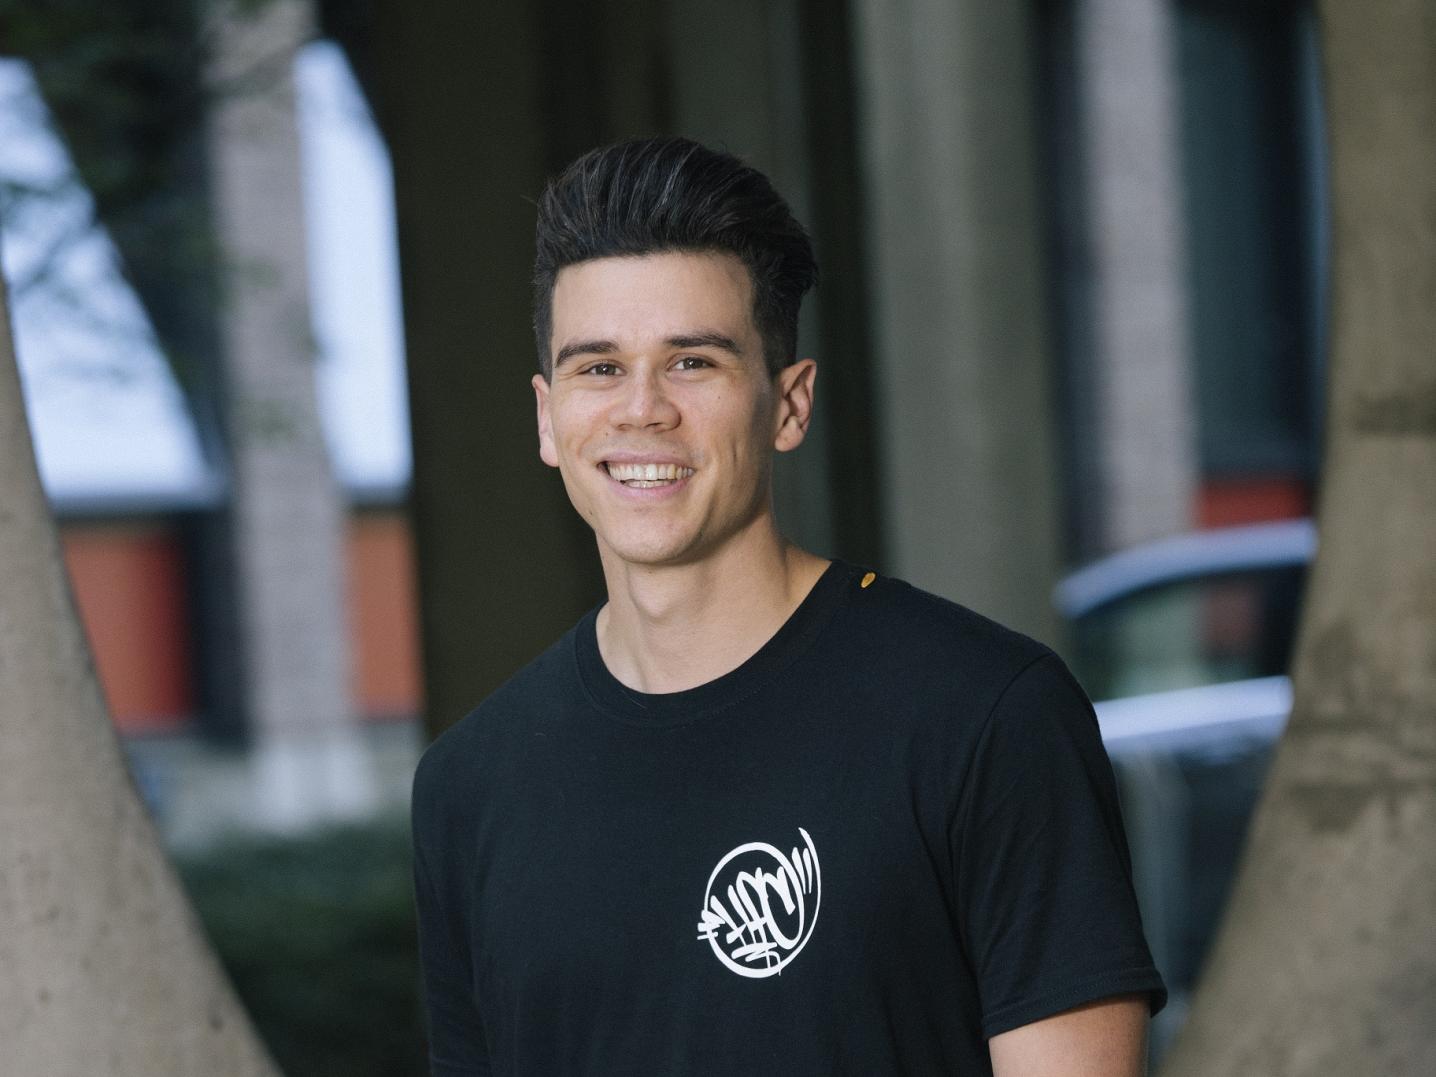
{"x": 103, "y": 967}
{"x": 1327, "y": 961}
{"x": 286, "y": 509}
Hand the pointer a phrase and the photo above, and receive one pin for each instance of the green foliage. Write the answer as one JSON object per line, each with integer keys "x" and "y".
{"x": 123, "y": 81}
{"x": 318, "y": 936}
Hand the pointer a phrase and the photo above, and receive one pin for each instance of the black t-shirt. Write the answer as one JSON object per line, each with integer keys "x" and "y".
{"x": 889, "y": 835}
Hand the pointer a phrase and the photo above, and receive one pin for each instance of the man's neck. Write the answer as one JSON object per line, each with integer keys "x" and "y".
{"x": 672, "y": 627}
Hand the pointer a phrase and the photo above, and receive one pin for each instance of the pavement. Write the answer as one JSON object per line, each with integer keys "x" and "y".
{"x": 199, "y": 791}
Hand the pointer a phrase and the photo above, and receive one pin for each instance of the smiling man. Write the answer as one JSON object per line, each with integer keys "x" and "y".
{"x": 760, "y": 811}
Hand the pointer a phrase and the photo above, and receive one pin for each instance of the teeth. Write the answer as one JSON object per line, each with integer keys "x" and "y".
{"x": 648, "y": 473}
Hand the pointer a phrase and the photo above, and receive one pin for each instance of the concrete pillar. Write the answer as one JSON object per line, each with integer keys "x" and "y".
{"x": 470, "y": 103}
{"x": 287, "y": 512}
{"x": 970, "y": 470}
{"x": 1144, "y": 408}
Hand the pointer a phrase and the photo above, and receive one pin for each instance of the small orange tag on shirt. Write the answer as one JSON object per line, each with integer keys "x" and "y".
{"x": 868, "y": 579}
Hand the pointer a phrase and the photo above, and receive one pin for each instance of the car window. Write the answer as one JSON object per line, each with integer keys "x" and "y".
{"x": 1190, "y": 632}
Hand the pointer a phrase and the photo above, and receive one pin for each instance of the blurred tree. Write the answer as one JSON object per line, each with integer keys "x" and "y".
{"x": 123, "y": 81}
{"x": 180, "y": 118}
{"x": 286, "y": 511}
{"x": 103, "y": 969}
{"x": 125, "y": 86}
{"x": 1327, "y": 959}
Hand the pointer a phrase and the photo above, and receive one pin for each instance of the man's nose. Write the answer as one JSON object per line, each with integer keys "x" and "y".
{"x": 646, "y": 402}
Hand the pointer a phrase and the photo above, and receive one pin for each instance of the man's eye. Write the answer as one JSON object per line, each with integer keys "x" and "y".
{"x": 603, "y": 369}
{"x": 693, "y": 362}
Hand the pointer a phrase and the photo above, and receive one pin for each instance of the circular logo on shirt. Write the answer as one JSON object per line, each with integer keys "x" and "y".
{"x": 760, "y": 906}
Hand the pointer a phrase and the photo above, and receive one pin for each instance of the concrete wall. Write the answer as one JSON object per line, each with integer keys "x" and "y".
{"x": 965, "y": 375}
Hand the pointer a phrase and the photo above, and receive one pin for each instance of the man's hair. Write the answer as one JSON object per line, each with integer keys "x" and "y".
{"x": 653, "y": 195}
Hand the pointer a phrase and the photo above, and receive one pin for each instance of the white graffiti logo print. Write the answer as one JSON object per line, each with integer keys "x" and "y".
{"x": 760, "y": 906}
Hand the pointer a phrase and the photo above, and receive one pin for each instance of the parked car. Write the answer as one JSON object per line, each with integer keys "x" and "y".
{"x": 1185, "y": 645}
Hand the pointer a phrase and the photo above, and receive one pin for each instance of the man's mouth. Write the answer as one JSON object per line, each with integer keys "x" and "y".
{"x": 647, "y": 476}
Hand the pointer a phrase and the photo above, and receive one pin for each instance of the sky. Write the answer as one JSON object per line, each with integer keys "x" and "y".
{"x": 108, "y": 421}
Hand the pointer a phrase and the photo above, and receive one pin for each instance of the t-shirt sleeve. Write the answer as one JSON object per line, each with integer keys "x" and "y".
{"x": 1043, "y": 876}
{"x": 456, "y": 1037}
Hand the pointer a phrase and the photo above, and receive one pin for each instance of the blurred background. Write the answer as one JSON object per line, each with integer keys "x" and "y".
{"x": 268, "y": 265}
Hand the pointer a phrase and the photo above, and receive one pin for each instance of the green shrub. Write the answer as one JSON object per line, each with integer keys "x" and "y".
{"x": 317, "y": 933}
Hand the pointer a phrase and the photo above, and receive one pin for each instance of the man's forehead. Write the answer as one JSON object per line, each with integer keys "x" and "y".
{"x": 676, "y": 264}
{"x": 653, "y": 296}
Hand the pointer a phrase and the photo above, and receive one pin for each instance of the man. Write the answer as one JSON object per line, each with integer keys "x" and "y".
{"x": 760, "y": 812}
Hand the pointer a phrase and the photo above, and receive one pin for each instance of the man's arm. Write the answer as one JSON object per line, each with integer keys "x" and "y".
{"x": 456, "y": 1037}
{"x": 1106, "y": 1038}
{"x": 1043, "y": 879}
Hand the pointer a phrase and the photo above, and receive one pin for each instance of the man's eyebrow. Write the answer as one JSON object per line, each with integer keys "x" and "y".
{"x": 702, "y": 338}
{"x": 584, "y": 347}
{"x": 705, "y": 339}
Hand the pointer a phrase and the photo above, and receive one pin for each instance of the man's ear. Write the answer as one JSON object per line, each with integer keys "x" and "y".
{"x": 545, "y": 422}
{"x": 794, "y": 386}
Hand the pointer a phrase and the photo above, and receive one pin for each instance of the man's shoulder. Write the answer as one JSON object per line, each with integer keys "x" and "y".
{"x": 913, "y": 628}
{"x": 542, "y": 687}
{"x": 964, "y": 669}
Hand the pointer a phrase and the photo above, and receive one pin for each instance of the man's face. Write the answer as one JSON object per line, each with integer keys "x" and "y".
{"x": 661, "y": 416}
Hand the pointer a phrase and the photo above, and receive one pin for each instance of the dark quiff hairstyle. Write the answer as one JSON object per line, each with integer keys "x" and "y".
{"x": 652, "y": 195}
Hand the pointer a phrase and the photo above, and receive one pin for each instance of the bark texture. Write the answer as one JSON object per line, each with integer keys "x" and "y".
{"x": 1327, "y": 960}
{"x": 104, "y": 969}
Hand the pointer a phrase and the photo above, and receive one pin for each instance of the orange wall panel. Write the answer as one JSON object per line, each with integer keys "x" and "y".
{"x": 129, "y": 580}
{"x": 129, "y": 584}
{"x": 1228, "y": 502}
{"x": 383, "y": 616}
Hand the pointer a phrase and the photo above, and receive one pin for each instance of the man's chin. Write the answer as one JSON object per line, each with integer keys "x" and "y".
{"x": 649, "y": 553}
